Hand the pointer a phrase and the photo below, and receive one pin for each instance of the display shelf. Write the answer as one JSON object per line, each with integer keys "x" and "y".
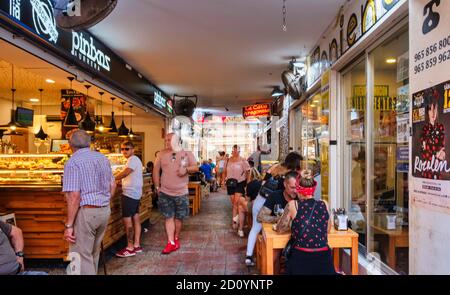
{"x": 32, "y": 169}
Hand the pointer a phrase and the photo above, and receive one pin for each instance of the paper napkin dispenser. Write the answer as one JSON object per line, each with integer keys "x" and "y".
{"x": 340, "y": 219}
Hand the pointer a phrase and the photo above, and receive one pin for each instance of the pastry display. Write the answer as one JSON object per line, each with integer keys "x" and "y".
{"x": 47, "y": 169}
{"x": 32, "y": 169}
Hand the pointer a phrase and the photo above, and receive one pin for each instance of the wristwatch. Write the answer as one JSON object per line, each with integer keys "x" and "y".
{"x": 20, "y": 254}
{"x": 68, "y": 225}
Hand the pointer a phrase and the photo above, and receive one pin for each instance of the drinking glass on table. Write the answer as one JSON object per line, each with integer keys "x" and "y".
{"x": 278, "y": 210}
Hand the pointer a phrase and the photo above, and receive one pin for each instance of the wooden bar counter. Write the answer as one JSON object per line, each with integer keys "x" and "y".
{"x": 41, "y": 212}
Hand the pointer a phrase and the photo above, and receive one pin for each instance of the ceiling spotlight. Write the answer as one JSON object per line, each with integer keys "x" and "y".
{"x": 50, "y": 81}
{"x": 277, "y": 91}
{"x": 391, "y": 60}
{"x": 34, "y": 99}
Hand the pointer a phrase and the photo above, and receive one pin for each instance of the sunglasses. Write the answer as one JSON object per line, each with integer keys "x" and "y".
{"x": 125, "y": 149}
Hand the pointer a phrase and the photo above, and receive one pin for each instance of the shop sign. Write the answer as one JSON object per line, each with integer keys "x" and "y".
{"x": 257, "y": 111}
{"x": 14, "y": 9}
{"x": 86, "y": 51}
{"x": 36, "y": 16}
{"x": 354, "y": 21}
{"x": 381, "y": 101}
{"x": 430, "y": 88}
{"x": 170, "y": 106}
{"x": 159, "y": 100}
{"x": 325, "y": 90}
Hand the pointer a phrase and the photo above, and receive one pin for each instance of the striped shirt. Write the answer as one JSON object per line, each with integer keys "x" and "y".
{"x": 89, "y": 173}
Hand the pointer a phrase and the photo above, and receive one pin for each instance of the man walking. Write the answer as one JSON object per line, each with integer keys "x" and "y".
{"x": 88, "y": 184}
{"x": 132, "y": 183}
{"x": 172, "y": 187}
{"x": 256, "y": 158}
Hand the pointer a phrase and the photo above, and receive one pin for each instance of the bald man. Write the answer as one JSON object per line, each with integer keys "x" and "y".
{"x": 172, "y": 187}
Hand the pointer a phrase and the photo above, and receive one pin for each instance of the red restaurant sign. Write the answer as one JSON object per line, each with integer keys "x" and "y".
{"x": 256, "y": 111}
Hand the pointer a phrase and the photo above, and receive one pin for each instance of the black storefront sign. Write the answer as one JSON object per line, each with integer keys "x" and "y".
{"x": 81, "y": 48}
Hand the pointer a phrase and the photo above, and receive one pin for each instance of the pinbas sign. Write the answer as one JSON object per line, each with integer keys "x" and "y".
{"x": 37, "y": 16}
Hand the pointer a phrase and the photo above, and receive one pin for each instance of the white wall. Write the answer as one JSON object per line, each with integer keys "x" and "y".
{"x": 429, "y": 238}
{"x": 153, "y": 140}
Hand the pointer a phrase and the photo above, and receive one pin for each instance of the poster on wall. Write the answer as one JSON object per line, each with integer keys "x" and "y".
{"x": 403, "y": 67}
{"x": 79, "y": 104}
{"x": 430, "y": 95}
{"x": 402, "y": 103}
{"x": 402, "y": 128}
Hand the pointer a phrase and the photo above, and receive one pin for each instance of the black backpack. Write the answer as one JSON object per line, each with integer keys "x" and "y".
{"x": 271, "y": 185}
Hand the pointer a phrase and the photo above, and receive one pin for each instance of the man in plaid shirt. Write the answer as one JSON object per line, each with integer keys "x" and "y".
{"x": 88, "y": 184}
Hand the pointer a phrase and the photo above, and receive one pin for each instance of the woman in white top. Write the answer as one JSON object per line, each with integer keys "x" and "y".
{"x": 236, "y": 173}
{"x": 220, "y": 166}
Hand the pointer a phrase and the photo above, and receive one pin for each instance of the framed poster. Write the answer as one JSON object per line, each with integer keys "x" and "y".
{"x": 403, "y": 128}
{"x": 59, "y": 145}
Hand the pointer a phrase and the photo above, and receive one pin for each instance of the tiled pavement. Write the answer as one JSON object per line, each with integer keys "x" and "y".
{"x": 209, "y": 246}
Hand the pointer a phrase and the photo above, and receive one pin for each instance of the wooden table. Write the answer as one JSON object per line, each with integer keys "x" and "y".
{"x": 336, "y": 240}
{"x": 397, "y": 238}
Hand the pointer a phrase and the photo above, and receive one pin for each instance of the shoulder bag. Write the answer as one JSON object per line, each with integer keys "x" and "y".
{"x": 232, "y": 183}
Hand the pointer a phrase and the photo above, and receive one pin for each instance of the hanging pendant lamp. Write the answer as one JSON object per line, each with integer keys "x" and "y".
{"x": 123, "y": 130}
{"x": 87, "y": 124}
{"x": 41, "y": 134}
{"x": 12, "y": 125}
{"x": 100, "y": 127}
{"x": 131, "y": 134}
{"x": 71, "y": 119}
{"x": 112, "y": 126}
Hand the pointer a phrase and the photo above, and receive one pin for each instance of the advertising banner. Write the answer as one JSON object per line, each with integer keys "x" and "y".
{"x": 257, "y": 111}
{"x": 430, "y": 95}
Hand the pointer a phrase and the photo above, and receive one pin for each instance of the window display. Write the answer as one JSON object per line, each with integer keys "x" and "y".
{"x": 391, "y": 153}
{"x": 313, "y": 117}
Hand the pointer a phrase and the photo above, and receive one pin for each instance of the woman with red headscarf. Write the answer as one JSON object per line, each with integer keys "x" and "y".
{"x": 310, "y": 254}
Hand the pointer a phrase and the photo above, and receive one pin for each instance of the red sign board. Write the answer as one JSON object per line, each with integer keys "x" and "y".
{"x": 257, "y": 111}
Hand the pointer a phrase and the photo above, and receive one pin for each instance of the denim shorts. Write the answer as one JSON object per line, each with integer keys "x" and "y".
{"x": 177, "y": 207}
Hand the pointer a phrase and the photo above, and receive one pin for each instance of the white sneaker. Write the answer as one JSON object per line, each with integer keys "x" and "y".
{"x": 236, "y": 218}
{"x": 241, "y": 233}
{"x": 249, "y": 261}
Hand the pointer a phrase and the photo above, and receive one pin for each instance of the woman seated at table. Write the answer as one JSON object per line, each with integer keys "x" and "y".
{"x": 310, "y": 225}
{"x": 251, "y": 192}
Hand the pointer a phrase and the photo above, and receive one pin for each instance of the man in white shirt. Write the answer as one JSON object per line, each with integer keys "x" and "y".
{"x": 132, "y": 182}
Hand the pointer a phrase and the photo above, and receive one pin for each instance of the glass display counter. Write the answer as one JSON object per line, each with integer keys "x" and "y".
{"x": 31, "y": 169}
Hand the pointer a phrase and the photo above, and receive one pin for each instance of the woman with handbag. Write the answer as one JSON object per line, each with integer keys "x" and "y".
{"x": 308, "y": 252}
{"x": 236, "y": 173}
{"x": 276, "y": 175}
